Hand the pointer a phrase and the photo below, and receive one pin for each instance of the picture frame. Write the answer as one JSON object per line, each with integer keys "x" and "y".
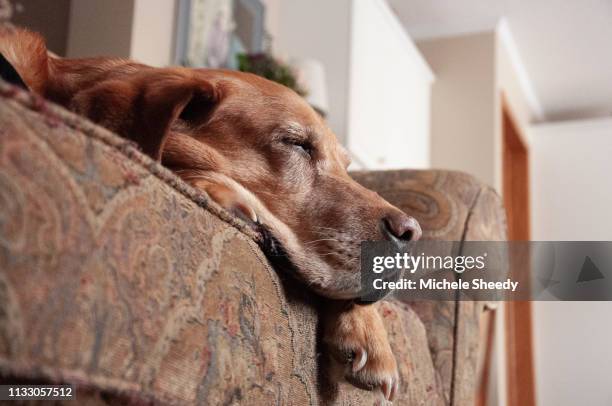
{"x": 211, "y": 33}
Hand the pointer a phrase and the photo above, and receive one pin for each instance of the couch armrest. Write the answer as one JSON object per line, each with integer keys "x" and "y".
{"x": 450, "y": 206}
{"x": 118, "y": 277}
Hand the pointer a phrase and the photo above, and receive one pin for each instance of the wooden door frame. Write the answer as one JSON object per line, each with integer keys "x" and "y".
{"x": 518, "y": 314}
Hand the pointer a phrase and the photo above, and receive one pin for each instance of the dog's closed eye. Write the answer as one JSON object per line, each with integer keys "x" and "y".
{"x": 303, "y": 147}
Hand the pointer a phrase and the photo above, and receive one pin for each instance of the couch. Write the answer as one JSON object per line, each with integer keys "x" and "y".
{"x": 119, "y": 278}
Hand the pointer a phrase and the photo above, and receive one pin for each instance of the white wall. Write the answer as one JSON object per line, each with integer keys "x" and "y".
{"x": 571, "y": 180}
{"x": 318, "y": 29}
{"x": 153, "y": 31}
{"x": 389, "y": 92}
{"x": 571, "y": 191}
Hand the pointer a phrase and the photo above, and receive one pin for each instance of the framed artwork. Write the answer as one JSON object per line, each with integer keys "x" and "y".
{"x": 211, "y": 33}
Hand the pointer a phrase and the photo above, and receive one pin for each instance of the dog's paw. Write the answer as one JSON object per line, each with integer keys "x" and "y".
{"x": 357, "y": 342}
{"x": 230, "y": 199}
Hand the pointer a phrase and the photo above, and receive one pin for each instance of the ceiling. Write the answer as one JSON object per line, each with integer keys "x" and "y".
{"x": 565, "y": 45}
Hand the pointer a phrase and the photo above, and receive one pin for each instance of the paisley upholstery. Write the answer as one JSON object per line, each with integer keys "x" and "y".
{"x": 118, "y": 277}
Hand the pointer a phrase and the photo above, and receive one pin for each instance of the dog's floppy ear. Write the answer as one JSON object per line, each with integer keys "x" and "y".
{"x": 143, "y": 106}
{"x": 26, "y": 53}
{"x": 137, "y": 102}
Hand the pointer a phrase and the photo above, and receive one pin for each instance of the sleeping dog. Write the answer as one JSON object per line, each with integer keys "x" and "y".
{"x": 258, "y": 150}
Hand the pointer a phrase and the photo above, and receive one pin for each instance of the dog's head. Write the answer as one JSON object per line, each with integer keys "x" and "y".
{"x": 269, "y": 141}
{"x": 254, "y": 136}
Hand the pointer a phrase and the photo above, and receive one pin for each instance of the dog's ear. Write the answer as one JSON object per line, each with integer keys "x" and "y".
{"x": 143, "y": 106}
{"x": 139, "y": 103}
{"x": 26, "y": 53}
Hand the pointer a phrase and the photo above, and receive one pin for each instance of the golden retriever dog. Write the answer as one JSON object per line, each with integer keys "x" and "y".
{"x": 258, "y": 150}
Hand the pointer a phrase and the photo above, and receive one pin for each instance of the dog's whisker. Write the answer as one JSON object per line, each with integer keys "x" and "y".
{"x": 337, "y": 237}
{"x": 350, "y": 262}
{"x": 330, "y": 229}
{"x": 323, "y": 232}
{"x": 330, "y": 253}
{"x": 322, "y": 239}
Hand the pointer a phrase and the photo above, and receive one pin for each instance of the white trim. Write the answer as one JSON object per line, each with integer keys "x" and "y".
{"x": 393, "y": 21}
{"x": 505, "y": 35}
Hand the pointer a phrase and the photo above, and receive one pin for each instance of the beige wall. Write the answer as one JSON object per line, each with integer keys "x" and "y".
{"x": 463, "y": 103}
{"x": 472, "y": 72}
{"x": 49, "y": 18}
{"x": 143, "y": 30}
{"x": 100, "y": 28}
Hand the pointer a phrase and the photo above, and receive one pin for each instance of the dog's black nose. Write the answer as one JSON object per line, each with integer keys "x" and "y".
{"x": 398, "y": 225}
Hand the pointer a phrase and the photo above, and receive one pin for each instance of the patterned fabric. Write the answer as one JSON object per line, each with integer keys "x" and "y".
{"x": 120, "y": 278}
{"x": 450, "y": 206}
